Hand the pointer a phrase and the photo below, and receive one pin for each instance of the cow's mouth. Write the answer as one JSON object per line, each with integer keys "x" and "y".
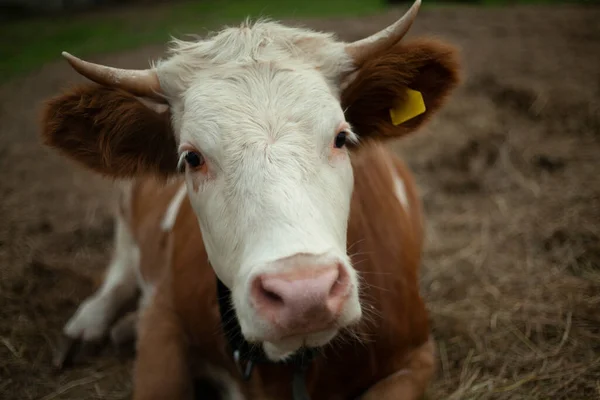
{"x": 274, "y": 349}
{"x": 295, "y": 345}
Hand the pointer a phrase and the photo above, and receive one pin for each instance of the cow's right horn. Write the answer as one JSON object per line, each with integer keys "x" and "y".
{"x": 364, "y": 49}
{"x": 138, "y": 82}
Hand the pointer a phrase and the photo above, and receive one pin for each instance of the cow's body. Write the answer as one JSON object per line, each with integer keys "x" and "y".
{"x": 180, "y": 323}
{"x": 272, "y": 139}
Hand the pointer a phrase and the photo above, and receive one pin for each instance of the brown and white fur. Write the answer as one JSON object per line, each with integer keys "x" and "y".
{"x": 157, "y": 251}
{"x": 319, "y": 243}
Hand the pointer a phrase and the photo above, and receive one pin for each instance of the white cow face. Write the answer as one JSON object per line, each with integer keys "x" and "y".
{"x": 262, "y": 142}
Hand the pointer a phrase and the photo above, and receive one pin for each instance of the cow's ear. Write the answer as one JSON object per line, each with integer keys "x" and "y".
{"x": 398, "y": 90}
{"x": 111, "y": 132}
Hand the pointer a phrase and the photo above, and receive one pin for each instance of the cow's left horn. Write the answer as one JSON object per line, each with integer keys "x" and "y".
{"x": 138, "y": 82}
{"x": 363, "y": 49}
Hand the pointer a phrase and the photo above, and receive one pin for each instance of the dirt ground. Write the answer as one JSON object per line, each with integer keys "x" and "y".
{"x": 510, "y": 177}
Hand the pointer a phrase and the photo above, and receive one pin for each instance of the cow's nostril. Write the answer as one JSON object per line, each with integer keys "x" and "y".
{"x": 272, "y": 297}
{"x": 267, "y": 296}
{"x": 340, "y": 284}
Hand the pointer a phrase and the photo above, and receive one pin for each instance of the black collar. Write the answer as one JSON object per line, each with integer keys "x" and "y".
{"x": 244, "y": 352}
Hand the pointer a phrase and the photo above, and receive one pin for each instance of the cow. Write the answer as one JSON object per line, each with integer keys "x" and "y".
{"x": 276, "y": 242}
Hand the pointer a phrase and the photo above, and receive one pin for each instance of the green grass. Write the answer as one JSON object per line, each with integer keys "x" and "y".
{"x": 27, "y": 44}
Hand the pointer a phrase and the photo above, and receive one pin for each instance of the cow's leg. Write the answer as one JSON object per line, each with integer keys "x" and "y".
{"x": 93, "y": 318}
{"x": 410, "y": 382}
{"x": 161, "y": 369}
{"x": 125, "y": 330}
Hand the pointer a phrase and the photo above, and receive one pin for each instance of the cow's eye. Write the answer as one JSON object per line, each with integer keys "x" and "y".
{"x": 194, "y": 159}
{"x": 340, "y": 140}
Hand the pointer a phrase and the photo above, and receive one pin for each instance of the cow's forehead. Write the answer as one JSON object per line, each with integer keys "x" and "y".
{"x": 259, "y": 89}
{"x": 260, "y": 104}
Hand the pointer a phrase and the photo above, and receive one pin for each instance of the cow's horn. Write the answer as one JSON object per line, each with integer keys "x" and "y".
{"x": 363, "y": 49}
{"x": 138, "y": 82}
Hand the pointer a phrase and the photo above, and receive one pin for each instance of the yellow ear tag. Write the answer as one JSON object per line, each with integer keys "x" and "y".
{"x": 412, "y": 106}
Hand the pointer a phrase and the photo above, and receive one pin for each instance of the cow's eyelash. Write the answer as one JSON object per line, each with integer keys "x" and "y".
{"x": 351, "y": 136}
{"x": 181, "y": 162}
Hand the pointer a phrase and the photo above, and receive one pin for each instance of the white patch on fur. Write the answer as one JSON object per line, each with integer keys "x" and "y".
{"x": 173, "y": 210}
{"x": 93, "y": 317}
{"x": 400, "y": 190}
{"x": 399, "y": 186}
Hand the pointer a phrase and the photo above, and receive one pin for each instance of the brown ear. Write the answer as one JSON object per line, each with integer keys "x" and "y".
{"x": 428, "y": 66}
{"x": 110, "y": 131}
